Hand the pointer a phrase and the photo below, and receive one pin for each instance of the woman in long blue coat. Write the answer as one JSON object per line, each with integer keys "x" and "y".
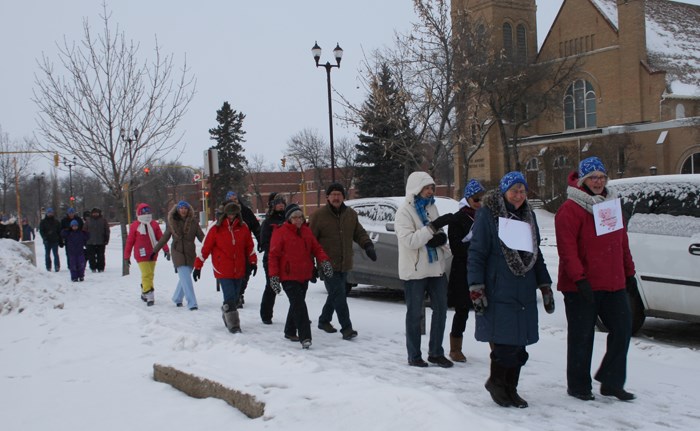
{"x": 503, "y": 283}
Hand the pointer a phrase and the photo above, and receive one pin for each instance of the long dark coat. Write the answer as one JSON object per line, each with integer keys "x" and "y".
{"x": 511, "y": 315}
{"x": 457, "y": 289}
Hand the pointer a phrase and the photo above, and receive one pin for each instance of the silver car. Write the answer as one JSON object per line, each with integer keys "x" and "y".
{"x": 377, "y": 217}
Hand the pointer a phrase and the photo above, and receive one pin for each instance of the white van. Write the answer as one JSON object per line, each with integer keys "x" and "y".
{"x": 664, "y": 231}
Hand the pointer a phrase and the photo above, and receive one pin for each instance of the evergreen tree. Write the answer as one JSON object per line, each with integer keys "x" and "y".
{"x": 229, "y": 138}
{"x": 386, "y": 154}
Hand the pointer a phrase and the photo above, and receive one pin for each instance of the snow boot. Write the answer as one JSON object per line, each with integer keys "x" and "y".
{"x": 496, "y": 385}
{"x": 148, "y": 297}
{"x": 231, "y": 318}
{"x": 512, "y": 378}
{"x": 456, "y": 349}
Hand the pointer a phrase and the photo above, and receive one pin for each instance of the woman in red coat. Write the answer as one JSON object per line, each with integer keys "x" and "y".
{"x": 230, "y": 244}
{"x": 144, "y": 233}
{"x": 595, "y": 269}
{"x": 293, "y": 248}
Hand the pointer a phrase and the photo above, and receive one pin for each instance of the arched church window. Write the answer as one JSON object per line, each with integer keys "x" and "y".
{"x": 521, "y": 49}
{"x": 532, "y": 164}
{"x": 579, "y": 106}
{"x": 691, "y": 164}
{"x": 508, "y": 40}
{"x": 680, "y": 111}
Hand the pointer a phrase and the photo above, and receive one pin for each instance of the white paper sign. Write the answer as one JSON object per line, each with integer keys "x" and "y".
{"x": 515, "y": 234}
{"x": 607, "y": 216}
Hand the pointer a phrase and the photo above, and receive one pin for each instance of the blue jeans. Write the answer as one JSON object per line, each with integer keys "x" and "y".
{"x": 614, "y": 310}
{"x": 414, "y": 293}
{"x": 231, "y": 288}
{"x": 336, "y": 301}
{"x": 52, "y": 247}
{"x": 185, "y": 288}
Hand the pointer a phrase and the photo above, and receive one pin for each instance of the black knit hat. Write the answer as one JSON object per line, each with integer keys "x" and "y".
{"x": 335, "y": 187}
{"x": 232, "y": 209}
{"x": 291, "y": 209}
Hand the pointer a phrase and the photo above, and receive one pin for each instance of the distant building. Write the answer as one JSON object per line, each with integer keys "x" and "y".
{"x": 636, "y": 102}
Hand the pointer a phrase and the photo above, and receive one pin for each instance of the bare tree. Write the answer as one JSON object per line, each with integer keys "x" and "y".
{"x": 255, "y": 169}
{"x": 103, "y": 93}
{"x": 345, "y": 153}
{"x": 15, "y": 159}
{"x": 310, "y": 149}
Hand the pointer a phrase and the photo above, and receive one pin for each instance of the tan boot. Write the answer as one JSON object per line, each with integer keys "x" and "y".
{"x": 456, "y": 349}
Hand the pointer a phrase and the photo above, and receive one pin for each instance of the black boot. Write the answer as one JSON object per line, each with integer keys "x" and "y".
{"x": 496, "y": 385}
{"x": 512, "y": 377}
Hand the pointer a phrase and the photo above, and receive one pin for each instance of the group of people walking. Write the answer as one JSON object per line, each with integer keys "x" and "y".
{"x": 497, "y": 270}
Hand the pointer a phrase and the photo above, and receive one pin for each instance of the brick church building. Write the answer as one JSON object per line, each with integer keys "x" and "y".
{"x": 635, "y": 101}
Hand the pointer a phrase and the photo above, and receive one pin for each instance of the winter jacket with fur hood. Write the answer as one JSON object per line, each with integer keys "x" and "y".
{"x": 336, "y": 230}
{"x": 140, "y": 241}
{"x": 183, "y": 232}
{"x": 413, "y": 235}
{"x": 292, "y": 253}
{"x": 230, "y": 245}
{"x": 510, "y": 277}
{"x": 605, "y": 261}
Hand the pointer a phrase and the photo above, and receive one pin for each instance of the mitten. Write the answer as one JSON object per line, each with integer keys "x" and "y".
{"x": 253, "y": 269}
{"x": 153, "y": 256}
{"x": 327, "y": 269}
{"x": 584, "y": 288}
{"x": 167, "y": 255}
{"x": 437, "y": 240}
{"x": 477, "y": 293}
{"x": 314, "y": 275}
{"x": 441, "y": 221}
{"x": 547, "y": 298}
{"x": 196, "y": 274}
{"x": 631, "y": 283}
{"x": 369, "y": 251}
{"x": 275, "y": 284}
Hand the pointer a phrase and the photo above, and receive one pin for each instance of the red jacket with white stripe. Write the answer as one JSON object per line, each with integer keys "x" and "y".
{"x": 231, "y": 246}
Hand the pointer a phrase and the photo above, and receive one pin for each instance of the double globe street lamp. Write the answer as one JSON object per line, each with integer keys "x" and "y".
{"x": 338, "y": 53}
{"x": 69, "y": 164}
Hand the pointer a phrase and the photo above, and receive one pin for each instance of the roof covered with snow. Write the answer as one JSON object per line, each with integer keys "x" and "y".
{"x": 673, "y": 41}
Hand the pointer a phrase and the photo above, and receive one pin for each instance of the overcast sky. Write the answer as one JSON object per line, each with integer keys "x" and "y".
{"x": 254, "y": 54}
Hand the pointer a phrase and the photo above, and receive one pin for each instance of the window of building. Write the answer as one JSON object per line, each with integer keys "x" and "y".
{"x": 680, "y": 111}
{"x": 579, "y": 106}
{"x": 560, "y": 162}
{"x": 508, "y": 40}
{"x": 691, "y": 164}
{"x": 521, "y": 43}
{"x": 532, "y": 164}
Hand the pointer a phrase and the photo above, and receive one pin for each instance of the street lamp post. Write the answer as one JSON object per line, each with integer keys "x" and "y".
{"x": 127, "y": 189}
{"x": 338, "y": 53}
{"x": 39, "y": 179}
{"x": 69, "y": 165}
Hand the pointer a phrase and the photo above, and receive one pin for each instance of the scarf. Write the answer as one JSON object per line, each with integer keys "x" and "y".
{"x": 519, "y": 262}
{"x": 421, "y": 203}
{"x": 586, "y": 200}
{"x": 145, "y": 226}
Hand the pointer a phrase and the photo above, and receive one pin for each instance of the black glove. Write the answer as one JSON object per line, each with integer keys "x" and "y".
{"x": 477, "y": 293}
{"x": 167, "y": 255}
{"x": 260, "y": 249}
{"x": 314, "y": 275}
{"x": 153, "y": 256}
{"x": 275, "y": 284}
{"x": 369, "y": 251}
{"x": 437, "y": 240}
{"x": 128, "y": 262}
{"x": 631, "y": 283}
{"x": 547, "y": 298}
{"x": 584, "y": 288}
{"x": 253, "y": 269}
{"x": 327, "y": 269}
{"x": 196, "y": 274}
{"x": 60, "y": 244}
{"x": 441, "y": 221}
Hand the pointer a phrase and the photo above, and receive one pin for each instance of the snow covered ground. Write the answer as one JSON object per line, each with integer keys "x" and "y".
{"x": 79, "y": 356}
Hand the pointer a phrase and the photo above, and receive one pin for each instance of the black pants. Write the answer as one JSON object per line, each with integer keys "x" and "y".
{"x": 614, "y": 310}
{"x": 267, "y": 304}
{"x": 298, "y": 314}
{"x": 95, "y": 254}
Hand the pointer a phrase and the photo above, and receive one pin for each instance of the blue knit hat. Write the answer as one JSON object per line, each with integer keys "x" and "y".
{"x": 74, "y": 223}
{"x": 473, "y": 187}
{"x": 230, "y": 194}
{"x": 49, "y": 210}
{"x": 183, "y": 204}
{"x": 71, "y": 210}
{"x": 588, "y": 166}
{"x": 510, "y": 179}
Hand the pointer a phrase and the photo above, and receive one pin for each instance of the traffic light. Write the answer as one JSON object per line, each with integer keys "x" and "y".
{"x": 284, "y": 161}
{"x": 55, "y": 159}
{"x": 72, "y": 199}
{"x": 147, "y": 171}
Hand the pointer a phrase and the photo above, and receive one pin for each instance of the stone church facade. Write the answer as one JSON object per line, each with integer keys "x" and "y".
{"x": 635, "y": 101}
